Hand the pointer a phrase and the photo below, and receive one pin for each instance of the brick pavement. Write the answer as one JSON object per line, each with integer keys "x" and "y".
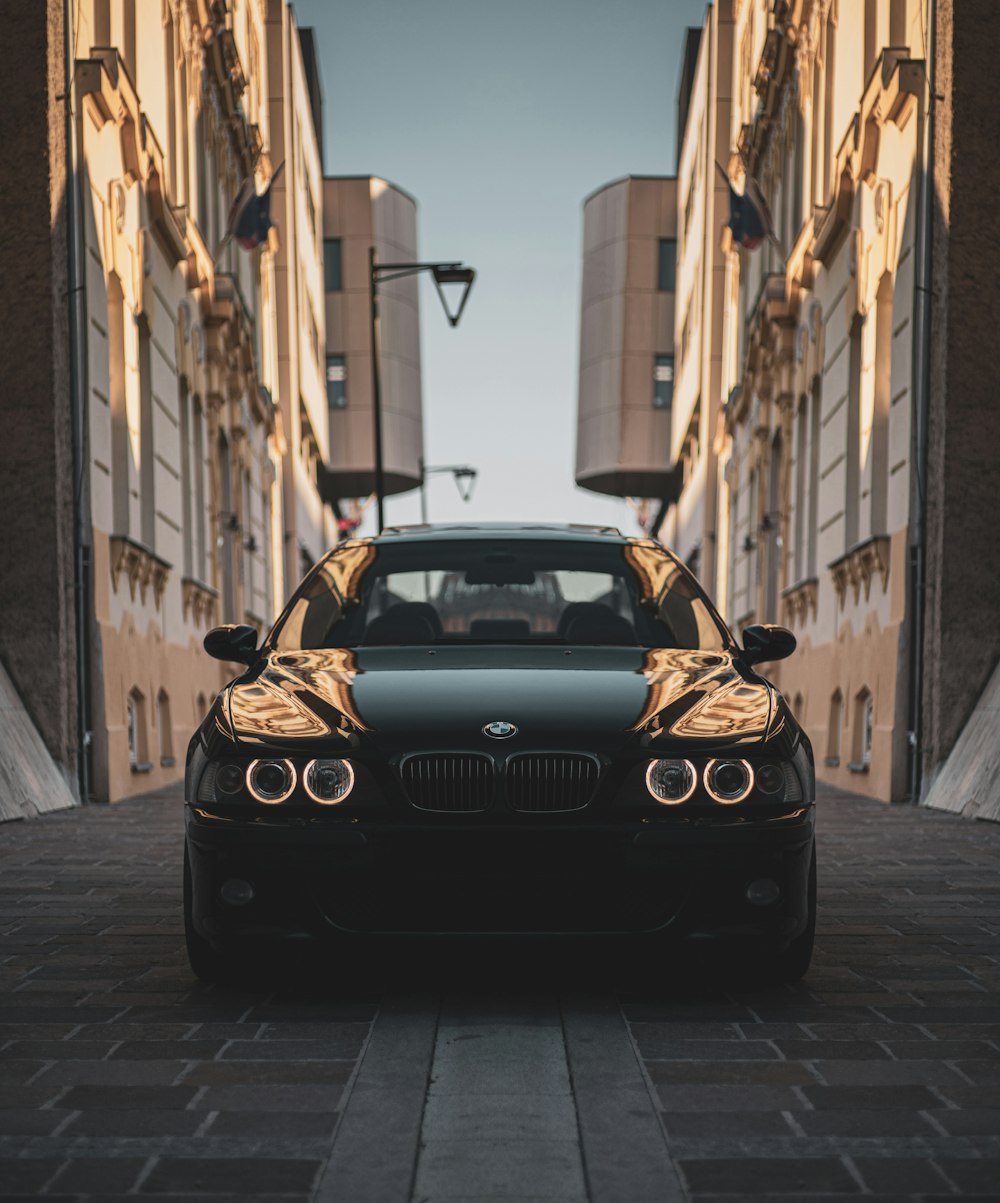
{"x": 119, "y": 1073}
{"x": 879, "y": 1076}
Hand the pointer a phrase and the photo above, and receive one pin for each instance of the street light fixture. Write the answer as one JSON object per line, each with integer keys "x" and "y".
{"x": 464, "y": 477}
{"x": 443, "y": 273}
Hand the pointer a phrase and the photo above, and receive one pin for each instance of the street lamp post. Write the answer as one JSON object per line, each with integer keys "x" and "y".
{"x": 443, "y": 273}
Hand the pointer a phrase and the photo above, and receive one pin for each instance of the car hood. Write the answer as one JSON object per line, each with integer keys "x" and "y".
{"x": 599, "y": 699}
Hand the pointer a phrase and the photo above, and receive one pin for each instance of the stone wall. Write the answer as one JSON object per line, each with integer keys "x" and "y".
{"x": 962, "y": 621}
{"x": 37, "y": 627}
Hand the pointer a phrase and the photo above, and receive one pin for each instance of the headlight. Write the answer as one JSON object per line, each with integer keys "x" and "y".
{"x": 271, "y": 781}
{"x": 230, "y": 778}
{"x": 728, "y": 781}
{"x": 671, "y": 781}
{"x": 328, "y": 781}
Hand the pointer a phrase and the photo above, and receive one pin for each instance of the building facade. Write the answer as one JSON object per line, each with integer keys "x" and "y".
{"x": 300, "y": 333}
{"x": 181, "y": 429}
{"x": 816, "y": 463}
{"x": 182, "y": 460}
{"x": 626, "y": 380}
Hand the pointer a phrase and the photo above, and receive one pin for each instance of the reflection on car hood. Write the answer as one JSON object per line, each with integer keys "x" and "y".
{"x": 596, "y": 698}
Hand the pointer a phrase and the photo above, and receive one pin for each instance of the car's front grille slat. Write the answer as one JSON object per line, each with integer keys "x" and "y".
{"x": 449, "y": 782}
{"x": 549, "y": 782}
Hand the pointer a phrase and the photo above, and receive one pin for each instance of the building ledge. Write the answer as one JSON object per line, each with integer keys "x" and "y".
{"x": 831, "y": 762}
{"x": 198, "y": 601}
{"x": 857, "y": 766}
{"x": 858, "y": 567}
{"x": 800, "y": 601}
{"x": 143, "y": 568}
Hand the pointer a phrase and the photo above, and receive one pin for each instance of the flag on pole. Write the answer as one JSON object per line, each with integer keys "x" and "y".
{"x": 749, "y": 215}
{"x": 250, "y": 215}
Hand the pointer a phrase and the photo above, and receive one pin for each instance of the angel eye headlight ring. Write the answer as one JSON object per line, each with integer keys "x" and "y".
{"x": 728, "y": 781}
{"x": 671, "y": 781}
{"x": 271, "y": 781}
{"x": 328, "y": 781}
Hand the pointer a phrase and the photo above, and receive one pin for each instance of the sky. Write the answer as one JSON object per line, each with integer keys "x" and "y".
{"x": 500, "y": 117}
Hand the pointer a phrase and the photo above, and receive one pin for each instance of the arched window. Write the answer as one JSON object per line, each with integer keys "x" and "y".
{"x": 834, "y": 729}
{"x": 135, "y": 721}
{"x": 864, "y": 722}
{"x": 798, "y": 707}
{"x": 165, "y": 729}
{"x": 202, "y": 707}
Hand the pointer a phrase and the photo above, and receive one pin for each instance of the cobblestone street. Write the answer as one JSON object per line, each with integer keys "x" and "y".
{"x": 517, "y": 1078}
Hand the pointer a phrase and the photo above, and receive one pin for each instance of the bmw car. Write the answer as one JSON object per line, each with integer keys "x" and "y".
{"x": 500, "y": 731}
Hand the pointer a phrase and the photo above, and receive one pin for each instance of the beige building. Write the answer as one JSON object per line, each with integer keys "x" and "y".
{"x": 815, "y": 470}
{"x": 361, "y": 212}
{"x": 184, "y": 361}
{"x": 704, "y": 285}
{"x": 295, "y": 117}
{"x": 626, "y": 381}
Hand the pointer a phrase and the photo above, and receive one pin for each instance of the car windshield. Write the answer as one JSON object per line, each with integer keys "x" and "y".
{"x": 485, "y": 591}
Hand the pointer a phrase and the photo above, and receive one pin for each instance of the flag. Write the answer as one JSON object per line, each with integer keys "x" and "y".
{"x": 749, "y": 216}
{"x": 250, "y": 215}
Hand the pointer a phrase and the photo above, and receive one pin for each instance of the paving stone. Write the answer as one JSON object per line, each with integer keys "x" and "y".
{"x": 781, "y": 1175}
{"x": 115, "y": 1098}
{"x": 730, "y": 1073}
{"x": 26, "y": 1174}
{"x": 270, "y": 1098}
{"x": 733, "y": 1124}
{"x": 268, "y": 1073}
{"x": 881, "y": 1124}
{"x": 298, "y": 1125}
{"x": 144, "y": 1121}
{"x": 98, "y": 1175}
{"x": 245, "y": 1176}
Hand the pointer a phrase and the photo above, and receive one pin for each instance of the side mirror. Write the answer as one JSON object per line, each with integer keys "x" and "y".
{"x": 764, "y": 641}
{"x": 232, "y": 642}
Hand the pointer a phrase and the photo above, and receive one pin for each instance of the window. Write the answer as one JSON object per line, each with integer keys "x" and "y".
{"x": 165, "y": 729}
{"x": 336, "y": 382}
{"x": 864, "y": 720}
{"x": 668, "y": 264}
{"x": 332, "y": 265}
{"x": 135, "y": 724}
{"x": 663, "y": 382}
{"x": 798, "y": 707}
{"x": 833, "y": 732}
{"x": 147, "y": 464}
{"x": 531, "y": 591}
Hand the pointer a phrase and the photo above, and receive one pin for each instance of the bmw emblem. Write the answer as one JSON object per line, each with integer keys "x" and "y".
{"x": 500, "y": 730}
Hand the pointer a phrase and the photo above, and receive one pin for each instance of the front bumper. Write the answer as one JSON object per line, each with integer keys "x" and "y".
{"x": 631, "y": 877}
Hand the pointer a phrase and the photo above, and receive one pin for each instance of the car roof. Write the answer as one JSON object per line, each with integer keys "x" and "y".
{"x": 509, "y": 530}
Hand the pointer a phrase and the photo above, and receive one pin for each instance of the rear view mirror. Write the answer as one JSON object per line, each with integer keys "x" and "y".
{"x": 763, "y": 642}
{"x": 232, "y": 642}
{"x": 500, "y": 574}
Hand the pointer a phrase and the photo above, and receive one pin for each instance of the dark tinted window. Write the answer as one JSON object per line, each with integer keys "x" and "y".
{"x": 331, "y": 265}
{"x": 668, "y": 264}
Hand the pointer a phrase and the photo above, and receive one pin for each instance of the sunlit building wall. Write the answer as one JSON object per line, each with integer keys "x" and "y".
{"x": 818, "y": 366}
{"x": 703, "y": 284}
{"x": 183, "y": 472}
{"x": 360, "y": 212}
{"x": 297, "y": 206}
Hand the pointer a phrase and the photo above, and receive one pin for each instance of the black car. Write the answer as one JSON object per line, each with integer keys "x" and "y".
{"x": 500, "y": 730}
